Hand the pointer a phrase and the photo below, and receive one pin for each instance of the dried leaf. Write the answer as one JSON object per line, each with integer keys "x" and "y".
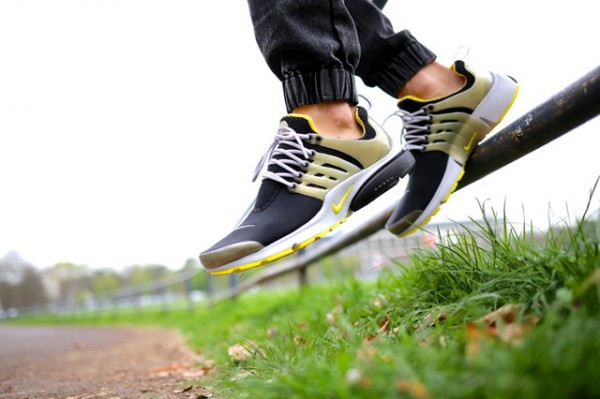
{"x": 194, "y": 374}
{"x": 384, "y": 326}
{"x": 172, "y": 367}
{"x": 330, "y": 318}
{"x": 413, "y": 387}
{"x": 369, "y": 339}
{"x": 239, "y": 353}
{"x": 502, "y": 325}
{"x": 302, "y": 325}
{"x": 272, "y": 332}
{"x": 430, "y": 320}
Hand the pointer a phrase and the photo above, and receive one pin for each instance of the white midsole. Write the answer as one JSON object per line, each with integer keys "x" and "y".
{"x": 451, "y": 175}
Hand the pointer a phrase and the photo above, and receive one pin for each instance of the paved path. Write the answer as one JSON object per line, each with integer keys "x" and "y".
{"x": 84, "y": 362}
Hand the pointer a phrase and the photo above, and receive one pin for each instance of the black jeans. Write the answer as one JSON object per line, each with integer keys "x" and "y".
{"x": 316, "y": 47}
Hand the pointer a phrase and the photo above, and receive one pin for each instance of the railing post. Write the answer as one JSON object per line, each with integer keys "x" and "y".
{"x": 302, "y": 271}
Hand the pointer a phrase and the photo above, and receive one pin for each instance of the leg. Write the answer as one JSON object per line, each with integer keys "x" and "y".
{"x": 314, "y": 57}
{"x": 326, "y": 152}
{"x": 446, "y": 111}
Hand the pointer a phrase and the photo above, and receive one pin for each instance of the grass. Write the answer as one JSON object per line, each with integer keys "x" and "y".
{"x": 492, "y": 312}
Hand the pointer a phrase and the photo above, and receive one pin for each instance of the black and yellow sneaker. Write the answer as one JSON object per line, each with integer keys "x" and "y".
{"x": 311, "y": 185}
{"x": 441, "y": 134}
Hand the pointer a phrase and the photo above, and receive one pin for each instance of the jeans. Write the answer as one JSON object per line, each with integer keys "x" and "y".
{"x": 316, "y": 47}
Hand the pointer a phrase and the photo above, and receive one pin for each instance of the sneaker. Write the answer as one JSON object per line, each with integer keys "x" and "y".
{"x": 441, "y": 134}
{"x": 311, "y": 185}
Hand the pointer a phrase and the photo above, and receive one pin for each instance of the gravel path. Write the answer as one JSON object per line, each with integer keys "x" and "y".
{"x": 89, "y": 363}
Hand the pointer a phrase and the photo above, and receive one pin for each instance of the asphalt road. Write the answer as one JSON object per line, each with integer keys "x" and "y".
{"x": 86, "y": 363}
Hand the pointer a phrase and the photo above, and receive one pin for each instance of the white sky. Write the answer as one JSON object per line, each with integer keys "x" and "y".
{"x": 129, "y": 130}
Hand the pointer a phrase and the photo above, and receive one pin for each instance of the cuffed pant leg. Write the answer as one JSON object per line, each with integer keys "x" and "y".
{"x": 311, "y": 46}
{"x": 388, "y": 58}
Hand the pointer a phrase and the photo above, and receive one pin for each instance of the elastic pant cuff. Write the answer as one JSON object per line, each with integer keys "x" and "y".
{"x": 304, "y": 88}
{"x": 403, "y": 66}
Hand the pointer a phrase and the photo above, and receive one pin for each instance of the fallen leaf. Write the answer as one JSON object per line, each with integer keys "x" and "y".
{"x": 239, "y": 353}
{"x": 413, "y": 387}
{"x": 299, "y": 341}
{"x": 502, "y": 325}
{"x": 430, "y": 320}
{"x": 172, "y": 367}
{"x": 194, "y": 374}
{"x": 272, "y": 332}
{"x": 302, "y": 325}
{"x": 330, "y": 318}
{"x": 384, "y": 326}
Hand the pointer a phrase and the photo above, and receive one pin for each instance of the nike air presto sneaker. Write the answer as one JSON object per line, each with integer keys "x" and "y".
{"x": 310, "y": 186}
{"x": 441, "y": 134}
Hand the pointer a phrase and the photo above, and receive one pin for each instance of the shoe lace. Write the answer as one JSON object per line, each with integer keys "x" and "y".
{"x": 289, "y": 153}
{"x": 415, "y": 127}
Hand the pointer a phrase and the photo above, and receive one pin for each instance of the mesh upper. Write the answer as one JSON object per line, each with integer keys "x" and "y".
{"x": 269, "y": 189}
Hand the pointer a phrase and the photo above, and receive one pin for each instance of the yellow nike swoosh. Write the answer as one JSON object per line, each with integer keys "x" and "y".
{"x": 338, "y": 207}
{"x": 470, "y": 143}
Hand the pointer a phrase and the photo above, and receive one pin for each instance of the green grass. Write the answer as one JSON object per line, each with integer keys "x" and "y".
{"x": 417, "y": 331}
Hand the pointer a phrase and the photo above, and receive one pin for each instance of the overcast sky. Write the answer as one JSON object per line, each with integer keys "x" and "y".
{"x": 129, "y": 130}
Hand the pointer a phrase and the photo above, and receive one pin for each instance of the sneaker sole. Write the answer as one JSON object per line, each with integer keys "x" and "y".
{"x": 492, "y": 110}
{"x": 335, "y": 210}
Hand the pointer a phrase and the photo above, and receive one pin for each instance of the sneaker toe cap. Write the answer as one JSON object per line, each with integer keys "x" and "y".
{"x": 212, "y": 259}
{"x": 403, "y": 225}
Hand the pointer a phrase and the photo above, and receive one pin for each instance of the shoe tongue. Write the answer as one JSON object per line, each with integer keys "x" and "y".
{"x": 269, "y": 189}
{"x": 299, "y": 123}
{"x": 412, "y": 104}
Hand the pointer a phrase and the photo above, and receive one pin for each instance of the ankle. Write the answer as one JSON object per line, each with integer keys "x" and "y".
{"x": 433, "y": 81}
{"x": 334, "y": 119}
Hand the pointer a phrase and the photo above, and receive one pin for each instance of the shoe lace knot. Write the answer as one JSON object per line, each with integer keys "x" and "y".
{"x": 289, "y": 154}
{"x": 415, "y": 128}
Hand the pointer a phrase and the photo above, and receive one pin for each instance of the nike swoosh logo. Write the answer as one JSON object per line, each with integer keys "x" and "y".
{"x": 245, "y": 226}
{"x": 338, "y": 207}
{"x": 470, "y": 143}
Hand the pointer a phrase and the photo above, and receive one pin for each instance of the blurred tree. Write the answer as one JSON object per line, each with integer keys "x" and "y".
{"x": 11, "y": 267}
{"x": 104, "y": 281}
{"x": 136, "y": 275}
{"x": 21, "y": 285}
{"x": 32, "y": 288}
{"x": 67, "y": 281}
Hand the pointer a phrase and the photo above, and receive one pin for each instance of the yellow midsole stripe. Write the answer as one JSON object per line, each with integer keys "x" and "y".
{"x": 281, "y": 254}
